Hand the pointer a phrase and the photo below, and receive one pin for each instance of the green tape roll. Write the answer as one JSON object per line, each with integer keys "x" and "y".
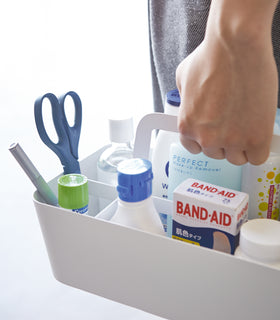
{"x": 73, "y": 191}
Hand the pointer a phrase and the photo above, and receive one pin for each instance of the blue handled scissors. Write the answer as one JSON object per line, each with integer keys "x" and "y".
{"x": 68, "y": 137}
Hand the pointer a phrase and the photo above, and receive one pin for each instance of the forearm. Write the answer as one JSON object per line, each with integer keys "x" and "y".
{"x": 241, "y": 22}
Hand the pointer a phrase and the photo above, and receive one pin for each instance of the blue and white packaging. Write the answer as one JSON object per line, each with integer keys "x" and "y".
{"x": 183, "y": 165}
{"x": 208, "y": 215}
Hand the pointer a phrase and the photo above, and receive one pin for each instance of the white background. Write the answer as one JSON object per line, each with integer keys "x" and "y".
{"x": 100, "y": 49}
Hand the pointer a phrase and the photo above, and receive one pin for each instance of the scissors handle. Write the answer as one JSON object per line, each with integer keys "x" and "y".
{"x": 74, "y": 131}
{"x": 68, "y": 137}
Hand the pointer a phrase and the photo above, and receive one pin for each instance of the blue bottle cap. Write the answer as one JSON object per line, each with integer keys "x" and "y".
{"x": 173, "y": 98}
{"x": 134, "y": 180}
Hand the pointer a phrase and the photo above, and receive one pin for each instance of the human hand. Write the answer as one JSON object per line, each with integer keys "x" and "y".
{"x": 229, "y": 91}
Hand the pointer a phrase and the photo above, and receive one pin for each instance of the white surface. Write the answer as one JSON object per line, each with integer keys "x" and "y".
{"x": 204, "y": 283}
{"x": 100, "y": 50}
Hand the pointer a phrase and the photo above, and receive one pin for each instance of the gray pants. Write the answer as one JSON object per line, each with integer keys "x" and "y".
{"x": 177, "y": 27}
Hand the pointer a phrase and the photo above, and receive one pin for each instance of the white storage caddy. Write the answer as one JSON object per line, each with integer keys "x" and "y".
{"x": 162, "y": 276}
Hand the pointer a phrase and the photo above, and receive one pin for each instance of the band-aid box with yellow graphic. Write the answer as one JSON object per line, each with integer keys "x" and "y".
{"x": 208, "y": 215}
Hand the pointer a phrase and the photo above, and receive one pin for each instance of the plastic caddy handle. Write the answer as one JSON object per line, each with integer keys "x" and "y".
{"x": 167, "y": 122}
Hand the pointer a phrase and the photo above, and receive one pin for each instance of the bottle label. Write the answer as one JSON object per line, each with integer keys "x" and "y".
{"x": 262, "y": 183}
{"x": 163, "y": 218}
{"x": 267, "y": 195}
{"x": 184, "y": 165}
{"x": 160, "y": 184}
{"x": 83, "y": 210}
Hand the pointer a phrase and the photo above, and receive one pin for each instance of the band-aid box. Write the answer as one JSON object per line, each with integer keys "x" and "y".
{"x": 208, "y": 215}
